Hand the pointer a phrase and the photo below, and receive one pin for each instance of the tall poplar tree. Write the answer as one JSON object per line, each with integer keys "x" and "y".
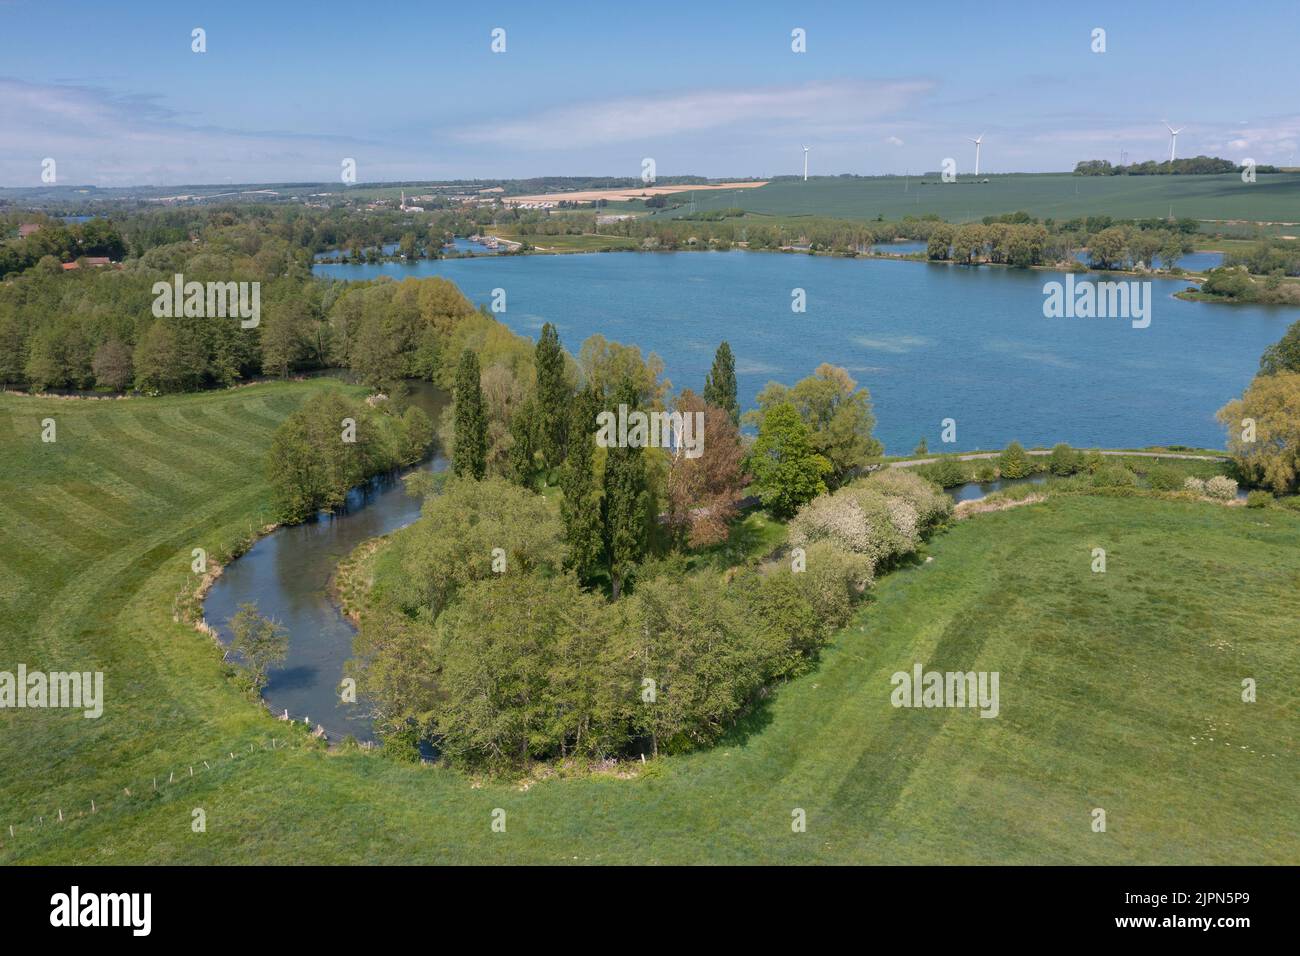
{"x": 553, "y": 397}
{"x": 580, "y": 507}
{"x": 626, "y": 507}
{"x": 720, "y": 383}
{"x": 469, "y": 458}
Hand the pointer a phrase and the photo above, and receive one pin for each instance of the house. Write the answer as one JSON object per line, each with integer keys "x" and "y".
{"x": 97, "y": 261}
{"x": 27, "y": 228}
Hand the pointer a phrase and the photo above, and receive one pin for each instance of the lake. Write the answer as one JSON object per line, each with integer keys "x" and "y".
{"x": 930, "y": 341}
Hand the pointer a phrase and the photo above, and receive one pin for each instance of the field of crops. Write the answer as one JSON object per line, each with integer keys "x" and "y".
{"x": 1271, "y": 198}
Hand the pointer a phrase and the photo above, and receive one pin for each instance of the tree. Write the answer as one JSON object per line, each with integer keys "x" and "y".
{"x": 1284, "y": 354}
{"x": 112, "y": 365}
{"x": 520, "y": 675}
{"x": 470, "y": 455}
{"x": 1107, "y": 248}
{"x": 627, "y": 507}
{"x": 940, "y": 242}
{"x": 1272, "y": 459}
{"x": 283, "y": 331}
{"x": 580, "y": 508}
{"x": 787, "y": 471}
{"x": 416, "y": 435}
{"x": 1174, "y": 248}
{"x": 158, "y": 358}
{"x": 553, "y": 397}
{"x": 1014, "y": 463}
{"x": 1145, "y": 246}
{"x": 702, "y": 492}
{"x": 406, "y": 246}
{"x": 838, "y": 416}
{"x": 261, "y": 642}
{"x": 921, "y": 447}
{"x": 720, "y": 383}
{"x": 459, "y": 538}
{"x": 968, "y": 244}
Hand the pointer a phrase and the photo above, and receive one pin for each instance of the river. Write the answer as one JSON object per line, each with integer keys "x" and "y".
{"x": 287, "y": 572}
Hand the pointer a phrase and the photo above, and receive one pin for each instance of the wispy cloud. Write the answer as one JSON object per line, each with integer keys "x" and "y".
{"x": 98, "y": 137}
{"x": 635, "y": 119}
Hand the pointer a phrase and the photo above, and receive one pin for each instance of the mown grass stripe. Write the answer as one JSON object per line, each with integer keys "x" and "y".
{"x": 174, "y": 469}
{"x": 218, "y": 431}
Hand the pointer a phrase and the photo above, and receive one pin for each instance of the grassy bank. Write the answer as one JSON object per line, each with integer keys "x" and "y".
{"x": 1119, "y": 690}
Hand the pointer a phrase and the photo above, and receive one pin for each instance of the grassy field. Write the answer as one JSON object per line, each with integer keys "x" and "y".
{"x": 1272, "y": 198}
{"x": 1118, "y": 691}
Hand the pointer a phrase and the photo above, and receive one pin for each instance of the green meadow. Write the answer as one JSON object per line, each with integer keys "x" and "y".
{"x": 1272, "y": 198}
{"x": 1119, "y": 691}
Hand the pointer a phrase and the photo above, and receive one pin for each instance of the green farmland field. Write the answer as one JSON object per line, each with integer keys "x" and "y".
{"x": 1273, "y": 198}
{"x": 1118, "y": 690}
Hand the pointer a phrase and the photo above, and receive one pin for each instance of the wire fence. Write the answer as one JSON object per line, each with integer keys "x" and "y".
{"x": 157, "y": 783}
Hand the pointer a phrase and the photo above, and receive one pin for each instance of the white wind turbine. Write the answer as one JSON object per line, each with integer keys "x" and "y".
{"x": 805, "y": 162}
{"x": 977, "y": 140}
{"x": 1173, "y": 138}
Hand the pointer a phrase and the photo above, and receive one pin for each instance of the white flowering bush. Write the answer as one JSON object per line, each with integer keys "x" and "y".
{"x": 1224, "y": 489}
{"x": 861, "y": 520}
{"x": 1195, "y": 485}
{"x": 932, "y": 505}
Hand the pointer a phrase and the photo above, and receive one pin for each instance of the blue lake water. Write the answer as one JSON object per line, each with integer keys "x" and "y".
{"x": 930, "y": 341}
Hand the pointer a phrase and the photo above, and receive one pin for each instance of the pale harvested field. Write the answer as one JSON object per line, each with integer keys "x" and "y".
{"x": 622, "y": 195}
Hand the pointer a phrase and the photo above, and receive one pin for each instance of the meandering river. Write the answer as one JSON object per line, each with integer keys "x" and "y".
{"x": 287, "y": 572}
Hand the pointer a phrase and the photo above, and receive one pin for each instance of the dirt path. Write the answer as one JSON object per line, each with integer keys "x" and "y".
{"x": 1039, "y": 452}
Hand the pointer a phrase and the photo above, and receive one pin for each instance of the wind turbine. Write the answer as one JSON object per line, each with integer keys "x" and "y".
{"x": 977, "y": 140}
{"x": 805, "y": 162}
{"x": 1173, "y": 138}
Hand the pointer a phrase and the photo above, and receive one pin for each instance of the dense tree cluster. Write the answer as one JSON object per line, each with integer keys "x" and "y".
{"x": 480, "y": 640}
{"x": 333, "y": 444}
{"x": 1193, "y": 166}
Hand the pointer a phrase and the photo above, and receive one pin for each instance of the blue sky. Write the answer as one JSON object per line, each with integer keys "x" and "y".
{"x": 285, "y": 91}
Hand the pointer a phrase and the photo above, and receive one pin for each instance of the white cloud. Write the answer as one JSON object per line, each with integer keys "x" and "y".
{"x": 104, "y": 139}
{"x": 632, "y": 119}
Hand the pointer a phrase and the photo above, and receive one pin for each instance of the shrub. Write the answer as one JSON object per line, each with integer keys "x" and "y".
{"x": 1014, "y": 463}
{"x": 1092, "y": 461}
{"x": 986, "y": 473}
{"x": 1114, "y": 476}
{"x": 1221, "y": 488}
{"x": 1195, "y": 485}
{"x": 947, "y": 472}
{"x": 1258, "y": 499}
{"x": 932, "y": 506}
{"x": 1164, "y": 478}
{"x": 1064, "y": 461}
{"x": 861, "y": 519}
